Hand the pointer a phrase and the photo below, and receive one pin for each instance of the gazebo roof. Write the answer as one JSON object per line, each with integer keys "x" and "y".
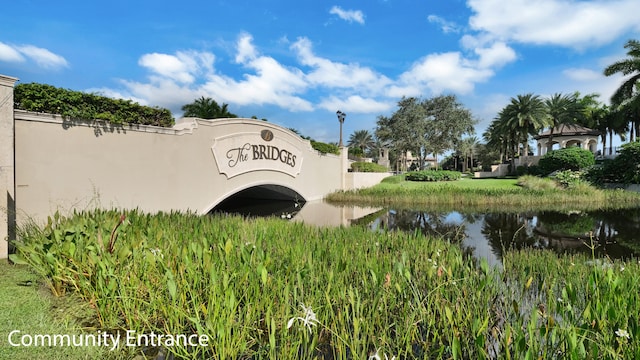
{"x": 568, "y": 130}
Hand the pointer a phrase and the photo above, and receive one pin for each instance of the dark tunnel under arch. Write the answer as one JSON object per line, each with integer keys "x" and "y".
{"x": 262, "y": 200}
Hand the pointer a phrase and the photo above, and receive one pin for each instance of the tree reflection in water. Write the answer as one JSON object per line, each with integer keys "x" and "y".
{"x": 615, "y": 232}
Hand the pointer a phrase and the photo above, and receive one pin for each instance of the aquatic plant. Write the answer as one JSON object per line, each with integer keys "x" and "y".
{"x": 241, "y": 284}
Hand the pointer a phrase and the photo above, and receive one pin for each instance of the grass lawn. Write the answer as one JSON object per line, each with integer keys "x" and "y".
{"x": 472, "y": 195}
{"x": 462, "y": 184}
{"x": 27, "y": 306}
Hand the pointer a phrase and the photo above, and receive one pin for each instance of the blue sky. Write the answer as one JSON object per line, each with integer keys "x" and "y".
{"x": 297, "y": 62}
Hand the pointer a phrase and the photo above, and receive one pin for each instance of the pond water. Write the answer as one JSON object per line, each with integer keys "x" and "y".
{"x": 615, "y": 233}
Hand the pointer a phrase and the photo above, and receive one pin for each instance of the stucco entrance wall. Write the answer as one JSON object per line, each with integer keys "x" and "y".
{"x": 7, "y": 185}
{"x": 63, "y": 165}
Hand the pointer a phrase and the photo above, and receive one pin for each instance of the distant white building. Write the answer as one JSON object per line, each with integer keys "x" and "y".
{"x": 566, "y": 135}
{"x": 563, "y": 136}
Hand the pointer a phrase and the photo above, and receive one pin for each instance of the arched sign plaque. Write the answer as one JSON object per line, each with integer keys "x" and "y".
{"x": 240, "y": 153}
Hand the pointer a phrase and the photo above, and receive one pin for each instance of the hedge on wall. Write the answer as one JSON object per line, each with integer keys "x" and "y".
{"x": 433, "y": 175}
{"x": 87, "y": 106}
{"x": 325, "y": 148}
{"x": 361, "y": 166}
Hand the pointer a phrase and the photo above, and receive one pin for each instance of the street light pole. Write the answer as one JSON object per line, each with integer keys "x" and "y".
{"x": 341, "y": 117}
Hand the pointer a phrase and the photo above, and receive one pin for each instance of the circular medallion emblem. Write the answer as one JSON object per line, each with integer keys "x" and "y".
{"x": 266, "y": 135}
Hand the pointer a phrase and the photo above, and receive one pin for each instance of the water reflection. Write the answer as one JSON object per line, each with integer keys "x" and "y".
{"x": 616, "y": 233}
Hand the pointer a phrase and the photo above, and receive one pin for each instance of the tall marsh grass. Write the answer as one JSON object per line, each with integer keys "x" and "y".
{"x": 265, "y": 288}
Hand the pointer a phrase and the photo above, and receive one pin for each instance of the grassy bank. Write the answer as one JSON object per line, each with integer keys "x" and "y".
{"x": 271, "y": 289}
{"x": 27, "y": 306}
{"x": 480, "y": 194}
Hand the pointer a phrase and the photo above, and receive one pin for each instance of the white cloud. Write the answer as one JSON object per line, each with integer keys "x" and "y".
{"x": 271, "y": 83}
{"x": 176, "y": 79}
{"x": 182, "y": 67}
{"x": 348, "y": 15}
{"x": 446, "y": 26}
{"x": 582, "y": 74}
{"x": 9, "y": 54}
{"x": 496, "y": 55}
{"x": 590, "y": 81}
{"x": 356, "y": 104}
{"x": 161, "y": 91}
{"x": 445, "y": 72}
{"x": 246, "y": 50}
{"x": 569, "y": 23}
{"x": 42, "y": 57}
{"x": 331, "y": 74}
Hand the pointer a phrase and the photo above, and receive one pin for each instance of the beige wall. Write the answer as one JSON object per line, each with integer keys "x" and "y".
{"x": 7, "y": 188}
{"x": 63, "y": 165}
{"x": 358, "y": 180}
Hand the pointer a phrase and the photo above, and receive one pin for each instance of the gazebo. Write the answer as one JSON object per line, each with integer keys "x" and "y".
{"x": 567, "y": 135}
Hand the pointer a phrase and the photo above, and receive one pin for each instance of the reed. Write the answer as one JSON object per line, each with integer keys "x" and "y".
{"x": 265, "y": 288}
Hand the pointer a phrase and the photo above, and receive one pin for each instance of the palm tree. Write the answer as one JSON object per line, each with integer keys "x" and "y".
{"x": 608, "y": 122}
{"x": 628, "y": 94}
{"x": 207, "y": 108}
{"x": 466, "y": 148}
{"x": 497, "y": 138}
{"x": 525, "y": 116}
{"x": 361, "y": 139}
{"x": 563, "y": 109}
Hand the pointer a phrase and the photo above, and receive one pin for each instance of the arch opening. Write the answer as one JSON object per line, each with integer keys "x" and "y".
{"x": 261, "y": 201}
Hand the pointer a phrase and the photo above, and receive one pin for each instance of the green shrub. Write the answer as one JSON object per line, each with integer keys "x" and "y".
{"x": 433, "y": 175}
{"x": 361, "y": 166}
{"x": 595, "y": 174}
{"x": 568, "y": 178}
{"x": 325, "y": 148}
{"x": 571, "y": 158}
{"x": 625, "y": 168}
{"x": 75, "y": 104}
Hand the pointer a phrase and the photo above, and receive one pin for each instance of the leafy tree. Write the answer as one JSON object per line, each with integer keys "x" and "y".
{"x": 405, "y": 129}
{"x": 487, "y": 156}
{"x": 627, "y": 96}
{"x": 425, "y": 127}
{"x": 207, "y": 108}
{"x": 447, "y": 121}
